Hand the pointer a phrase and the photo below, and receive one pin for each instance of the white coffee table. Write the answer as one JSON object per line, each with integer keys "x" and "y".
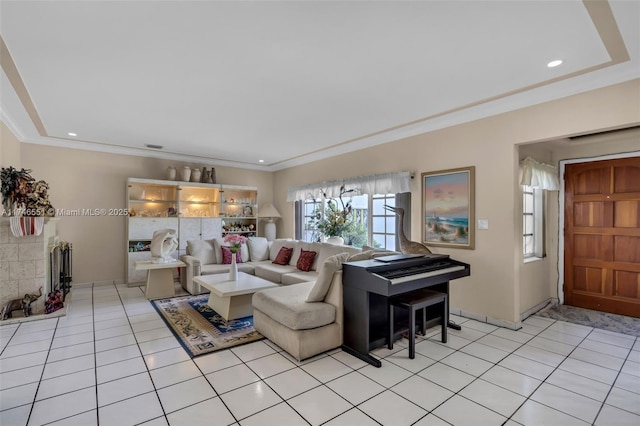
{"x": 232, "y": 299}
{"x": 159, "y": 278}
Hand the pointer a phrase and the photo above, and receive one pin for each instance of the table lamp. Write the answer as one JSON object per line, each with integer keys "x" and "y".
{"x": 269, "y": 213}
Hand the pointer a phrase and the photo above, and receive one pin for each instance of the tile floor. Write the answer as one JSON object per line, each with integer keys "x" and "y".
{"x": 112, "y": 361}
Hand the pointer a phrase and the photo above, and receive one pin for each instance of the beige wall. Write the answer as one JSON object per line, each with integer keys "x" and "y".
{"x": 9, "y": 148}
{"x": 81, "y": 179}
{"x": 494, "y": 288}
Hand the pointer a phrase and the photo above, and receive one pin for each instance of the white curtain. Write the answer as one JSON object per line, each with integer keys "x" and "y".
{"x": 539, "y": 175}
{"x": 387, "y": 183}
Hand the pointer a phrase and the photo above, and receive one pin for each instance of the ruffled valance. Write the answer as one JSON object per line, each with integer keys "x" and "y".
{"x": 539, "y": 175}
{"x": 386, "y": 183}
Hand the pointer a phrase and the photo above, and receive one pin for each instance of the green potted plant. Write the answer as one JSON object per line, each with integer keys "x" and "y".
{"x": 337, "y": 217}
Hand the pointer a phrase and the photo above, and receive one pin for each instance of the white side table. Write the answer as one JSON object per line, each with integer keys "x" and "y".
{"x": 159, "y": 278}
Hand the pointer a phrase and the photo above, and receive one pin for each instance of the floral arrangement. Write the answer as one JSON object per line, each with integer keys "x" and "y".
{"x": 20, "y": 191}
{"x": 235, "y": 241}
{"x": 337, "y": 217}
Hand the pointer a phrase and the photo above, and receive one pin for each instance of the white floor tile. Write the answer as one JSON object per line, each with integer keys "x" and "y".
{"x": 25, "y": 348}
{"x": 401, "y": 359}
{"x": 493, "y": 397}
{"x": 158, "y": 345}
{"x": 568, "y": 328}
{"x": 526, "y": 366}
{"x": 387, "y": 375}
{"x": 431, "y": 420}
{"x": 446, "y": 376}
{"x": 319, "y": 405}
{"x": 612, "y": 416}
{"x": 628, "y": 382}
{"x": 519, "y": 383}
{"x": 70, "y": 352}
{"x": 557, "y": 336}
{"x": 88, "y": 418}
{"x": 165, "y": 358}
{"x": 116, "y": 355}
{"x": 155, "y": 334}
{"x": 216, "y": 361}
{"x": 174, "y": 373}
{"x": 68, "y": 366}
{"x": 250, "y": 399}
{"x": 65, "y": 384}
{"x": 460, "y": 411}
{"x": 201, "y": 414}
{"x": 158, "y": 421}
{"x": 634, "y": 355}
{"x": 591, "y": 371}
{"x": 389, "y": 408}
{"x": 131, "y": 411}
{"x": 326, "y": 369}
{"x": 498, "y": 342}
{"x": 184, "y": 394}
{"x": 101, "y": 325}
{"x": 534, "y": 413}
{"x": 632, "y": 368}
{"x": 605, "y": 348}
{"x": 22, "y": 361}
{"x": 422, "y": 392}
{"x": 539, "y": 355}
{"x": 232, "y": 378}
{"x": 74, "y": 339}
{"x": 568, "y": 402}
{"x": 433, "y": 350}
{"x": 466, "y": 333}
{"x": 349, "y": 360}
{"x": 597, "y": 358}
{"x": 20, "y": 377}
{"x": 611, "y": 338}
{"x": 125, "y": 388}
{"x": 514, "y": 335}
{"x": 15, "y": 416}
{"x": 480, "y": 326}
{"x": 121, "y": 369}
{"x": 292, "y": 382}
{"x": 278, "y": 415}
{"x": 270, "y": 365}
{"x": 467, "y": 363}
{"x": 624, "y": 400}
{"x": 74, "y": 329}
{"x": 116, "y": 342}
{"x": 17, "y": 396}
{"x": 62, "y": 406}
{"x": 252, "y": 351}
{"x": 485, "y": 352}
{"x": 553, "y": 346}
{"x": 579, "y": 384}
{"x": 20, "y": 338}
{"x": 453, "y": 342}
{"x": 355, "y": 387}
{"x": 148, "y": 325}
{"x": 351, "y": 418}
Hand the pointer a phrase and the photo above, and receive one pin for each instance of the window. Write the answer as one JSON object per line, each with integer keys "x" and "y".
{"x": 532, "y": 222}
{"x": 372, "y": 224}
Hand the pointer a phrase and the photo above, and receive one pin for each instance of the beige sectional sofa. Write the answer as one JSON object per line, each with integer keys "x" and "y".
{"x": 205, "y": 257}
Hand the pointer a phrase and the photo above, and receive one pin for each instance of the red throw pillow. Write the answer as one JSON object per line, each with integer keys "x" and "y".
{"x": 305, "y": 261}
{"x": 284, "y": 256}
{"x": 226, "y": 256}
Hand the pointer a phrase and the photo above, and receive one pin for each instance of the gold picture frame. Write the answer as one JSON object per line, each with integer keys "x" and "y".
{"x": 448, "y": 208}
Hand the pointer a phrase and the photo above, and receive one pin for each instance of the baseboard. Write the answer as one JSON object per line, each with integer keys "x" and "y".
{"x": 552, "y": 301}
{"x": 489, "y": 320}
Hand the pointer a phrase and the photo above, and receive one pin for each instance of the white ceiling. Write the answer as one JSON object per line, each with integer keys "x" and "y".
{"x": 232, "y": 83}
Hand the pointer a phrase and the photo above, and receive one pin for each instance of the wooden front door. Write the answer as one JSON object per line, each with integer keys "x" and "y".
{"x": 602, "y": 236}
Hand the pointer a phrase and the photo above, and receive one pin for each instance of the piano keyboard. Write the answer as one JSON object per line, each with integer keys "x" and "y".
{"x": 427, "y": 274}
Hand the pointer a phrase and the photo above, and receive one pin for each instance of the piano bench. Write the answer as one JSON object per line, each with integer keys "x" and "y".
{"x": 413, "y": 302}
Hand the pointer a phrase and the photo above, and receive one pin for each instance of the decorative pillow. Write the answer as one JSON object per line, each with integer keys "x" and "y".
{"x": 220, "y": 242}
{"x": 283, "y": 256}
{"x": 258, "y": 248}
{"x": 203, "y": 250}
{"x": 226, "y": 256}
{"x": 305, "y": 260}
{"x": 323, "y": 282}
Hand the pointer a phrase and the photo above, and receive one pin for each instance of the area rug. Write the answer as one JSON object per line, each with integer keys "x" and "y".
{"x": 595, "y": 319}
{"x": 201, "y": 330}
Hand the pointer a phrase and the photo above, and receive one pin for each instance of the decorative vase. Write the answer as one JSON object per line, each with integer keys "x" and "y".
{"x": 336, "y": 240}
{"x": 195, "y": 175}
{"x": 171, "y": 173}
{"x": 233, "y": 268}
{"x": 206, "y": 175}
{"x": 186, "y": 173}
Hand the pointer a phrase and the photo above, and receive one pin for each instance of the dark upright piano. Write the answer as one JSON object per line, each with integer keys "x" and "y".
{"x": 367, "y": 284}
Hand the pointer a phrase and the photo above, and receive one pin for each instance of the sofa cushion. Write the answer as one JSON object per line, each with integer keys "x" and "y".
{"x": 258, "y": 248}
{"x": 203, "y": 250}
{"x": 277, "y": 244}
{"x": 325, "y": 276}
{"x": 227, "y": 256}
{"x": 305, "y": 260}
{"x": 286, "y": 305}
{"x": 298, "y": 277}
{"x": 218, "y": 268}
{"x": 272, "y": 272}
{"x": 283, "y": 257}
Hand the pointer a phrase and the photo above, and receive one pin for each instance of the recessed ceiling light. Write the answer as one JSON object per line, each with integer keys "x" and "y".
{"x": 72, "y": 134}
{"x": 555, "y": 63}
{"x": 260, "y": 161}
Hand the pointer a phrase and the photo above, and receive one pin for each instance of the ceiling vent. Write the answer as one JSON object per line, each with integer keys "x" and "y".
{"x": 148, "y": 145}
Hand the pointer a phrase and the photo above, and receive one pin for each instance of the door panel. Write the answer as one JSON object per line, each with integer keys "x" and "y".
{"x": 602, "y": 235}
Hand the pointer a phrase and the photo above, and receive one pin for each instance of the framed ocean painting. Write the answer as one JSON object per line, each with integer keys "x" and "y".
{"x": 448, "y": 211}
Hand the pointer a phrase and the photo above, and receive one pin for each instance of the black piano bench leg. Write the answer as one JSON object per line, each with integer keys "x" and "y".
{"x": 412, "y": 333}
{"x": 445, "y": 320}
{"x": 390, "y": 342}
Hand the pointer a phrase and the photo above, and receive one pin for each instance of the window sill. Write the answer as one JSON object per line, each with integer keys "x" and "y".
{"x": 532, "y": 259}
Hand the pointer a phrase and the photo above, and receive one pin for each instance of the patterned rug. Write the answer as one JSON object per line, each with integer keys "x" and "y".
{"x": 595, "y": 319}
{"x": 199, "y": 329}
